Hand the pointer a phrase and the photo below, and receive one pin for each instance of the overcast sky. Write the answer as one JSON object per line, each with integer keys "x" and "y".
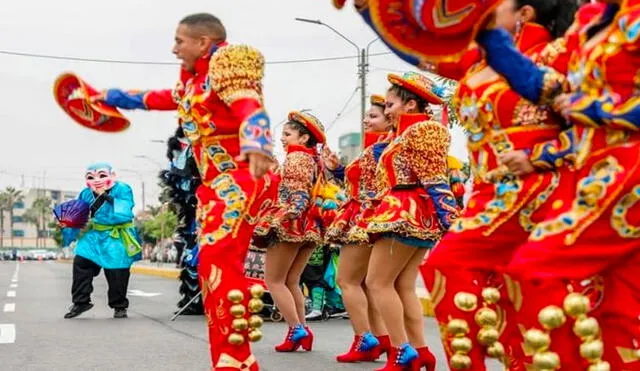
{"x": 38, "y": 138}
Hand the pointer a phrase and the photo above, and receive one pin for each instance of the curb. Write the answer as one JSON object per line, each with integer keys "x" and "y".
{"x": 173, "y": 273}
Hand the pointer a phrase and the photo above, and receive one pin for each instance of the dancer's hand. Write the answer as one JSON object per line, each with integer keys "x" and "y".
{"x": 100, "y": 97}
{"x": 259, "y": 164}
{"x": 330, "y": 159}
{"x": 518, "y": 162}
{"x": 562, "y": 104}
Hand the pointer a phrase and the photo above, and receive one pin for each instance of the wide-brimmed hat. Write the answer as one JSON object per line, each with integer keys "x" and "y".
{"x": 74, "y": 97}
{"x": 377, "y": 100}
{"x": 418, "y": 84}
{"x": 430, "y": 29}
{"x": 311, "y": 123}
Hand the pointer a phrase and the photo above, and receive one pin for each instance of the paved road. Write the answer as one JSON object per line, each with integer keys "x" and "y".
{"x": 35, "y": 337}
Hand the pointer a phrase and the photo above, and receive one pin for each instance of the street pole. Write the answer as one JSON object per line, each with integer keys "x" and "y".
{"x": 363, "y": 93}
{"x": 144, "y": 204}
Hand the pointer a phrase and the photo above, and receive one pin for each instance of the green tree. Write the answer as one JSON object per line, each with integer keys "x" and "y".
{"x": 57, "y": 233}
{"x": 4, "y": 207}
{"x": 159, "y": 227}
{"x": 14, "y": 196}
{"x": 31, "y": 216}
{"x": 38, "y": 215}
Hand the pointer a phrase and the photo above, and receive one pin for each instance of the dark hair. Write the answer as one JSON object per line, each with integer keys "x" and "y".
{"x": 206, "y": 24}
{"x": 302, "y": 130}
{"x": 406, "y": 96}
{"x": 555, "y": 15}
{"x": 605, "y": 20}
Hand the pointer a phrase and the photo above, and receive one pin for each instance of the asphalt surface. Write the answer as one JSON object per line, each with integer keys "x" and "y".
{"x": 35, "y": 337}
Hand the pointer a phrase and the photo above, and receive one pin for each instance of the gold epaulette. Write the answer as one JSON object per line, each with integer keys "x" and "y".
{"x": 236, "y": 72}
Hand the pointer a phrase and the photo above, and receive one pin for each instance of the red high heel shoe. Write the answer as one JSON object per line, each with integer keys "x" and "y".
{"x": 356, "y": 355}
{"x": 425, "y": 360}
{"x": 307, "y": 342}
{"x": 384, "y": 347}
{"x": 393, "y": 358}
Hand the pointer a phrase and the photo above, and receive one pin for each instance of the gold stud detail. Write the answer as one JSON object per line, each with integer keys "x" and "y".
{"x": 465, "y": 301}
{"x": 235, "y": 296}
{"x": 236, "y": 339}
{"x": 491, "y": 295}
{"x": 551, "y": 317}
{"x": 486, "y": 317}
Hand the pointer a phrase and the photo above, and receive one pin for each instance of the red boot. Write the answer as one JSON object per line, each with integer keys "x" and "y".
{"x": 296, "y": 336}
{"x": 384, "y": 347}
{"x": 425, "y": 360}
{"x": 307, "y": 342}
{"x": 400, "y": 359}
{"x": 358, "y": 351}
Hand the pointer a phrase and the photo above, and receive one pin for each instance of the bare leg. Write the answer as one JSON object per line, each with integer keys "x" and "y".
{"x": 293, "y": 280}
{"x": 406, "y": 287}
{"x": 388, "y": 259}
{"x": 352, "y": 269}
{"x": 378, "y": 327}
{"x": 278, "y": 262}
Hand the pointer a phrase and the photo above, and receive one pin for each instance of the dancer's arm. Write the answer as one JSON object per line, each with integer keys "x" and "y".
{"x": 297, "y": 182}
{"x": 427, "y": 145}
{"x": 156, "y": 100}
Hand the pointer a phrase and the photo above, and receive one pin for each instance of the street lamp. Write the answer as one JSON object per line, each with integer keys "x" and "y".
{"x": 363, "y": 65}
{"x": 144, "y": 205}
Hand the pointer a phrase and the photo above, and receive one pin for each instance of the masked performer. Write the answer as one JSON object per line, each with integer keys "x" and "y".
{"x": 219, "y": 104}
{"x": 470, "y": 292}
{"x": 180, "y": 182}
{"x": 371, "y": 339}
{"x": 416, "y": 207}
{"x": 109, "y": 242}
{"x": 597, "y": 70}
{"x": 291, "y": 229}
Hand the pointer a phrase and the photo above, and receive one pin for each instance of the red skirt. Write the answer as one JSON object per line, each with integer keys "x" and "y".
{"x": 348, "y": 228}
{"x": 408, "y": 213}
{"x": 274, "y": 226}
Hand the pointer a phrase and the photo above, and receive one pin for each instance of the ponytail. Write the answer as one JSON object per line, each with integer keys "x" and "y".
{"x": 555, "y": 15}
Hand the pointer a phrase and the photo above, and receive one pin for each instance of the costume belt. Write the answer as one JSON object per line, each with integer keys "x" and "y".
{"x": 122, "y": 232}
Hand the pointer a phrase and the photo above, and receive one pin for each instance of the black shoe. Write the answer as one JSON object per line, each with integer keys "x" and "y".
{"x": 78, "y": 309}
{"x": 120, "y": 313}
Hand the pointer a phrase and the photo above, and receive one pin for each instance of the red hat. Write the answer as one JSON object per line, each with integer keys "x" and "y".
{"x": 377, "y": 100}
{"x": 73, "y": 96}
{"x": 339, "y": 4}
{"x": 311, "y": 123}
{"x": 430, "y": 29}
{"x": 418, "y": 85}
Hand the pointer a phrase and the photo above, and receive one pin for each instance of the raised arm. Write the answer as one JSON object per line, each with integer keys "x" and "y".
{"x": 151, "y": 100}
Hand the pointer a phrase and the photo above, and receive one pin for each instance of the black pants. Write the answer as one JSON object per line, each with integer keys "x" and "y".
{"x": 83, "y": 272}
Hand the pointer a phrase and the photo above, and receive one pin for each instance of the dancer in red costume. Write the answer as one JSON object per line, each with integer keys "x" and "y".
{"x": 415, "y": 207}
{"x": 219, "y": 104}
{"x": 291, "y": 229}
{"x": 472, "y": 299}
{"x": 348, "y": 230}
{"x": 592, "y": 230}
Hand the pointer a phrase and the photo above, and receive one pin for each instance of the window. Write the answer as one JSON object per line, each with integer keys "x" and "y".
{"x": 18, "y": 219}
{"x": 18, "y": 205}
{"x": 18, "y": 233}
{"x": 55, "y": 195}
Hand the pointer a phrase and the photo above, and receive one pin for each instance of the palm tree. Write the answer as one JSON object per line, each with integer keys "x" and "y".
{"x": 31, "y": 216}
{"x": 4, "y": 206}
{"x": 14, "y": 196}
{"x": 42, "y": 208}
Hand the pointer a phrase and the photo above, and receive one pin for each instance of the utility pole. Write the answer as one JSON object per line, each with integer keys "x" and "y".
{"x": 363, "y": 91}
{"x": 144, "y": 205}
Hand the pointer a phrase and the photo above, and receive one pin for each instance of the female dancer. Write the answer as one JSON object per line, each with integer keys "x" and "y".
{"x": 469, "y": 293}
{"x": 601, "y": 63}
{"x": 371, "y": 339}
{"x": 415, "y": 207}
{"x": 289, "y": 230}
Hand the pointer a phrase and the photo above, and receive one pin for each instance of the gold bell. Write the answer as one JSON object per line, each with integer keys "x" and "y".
{"x": 546, "y": 361}
{"x": 460, "y": 362}
{"x": 600, "y": 366}
{"x": 592, "y": 350}
{"x": 255, "y": 322}
{"x": 587, "y": 327}
{"x": 551, "y": 317}
{"x": 576, "y": 304}
{"x": 496, "y": 350}
{"x": 255, "y": 305}
{"x": 237, "y": 310}
{"x": 461, "y": 345}
{"x": 236, "y": 339}
{"x": 256, "y": 291}
{"x": 488, "y": 336}
{"x": 486, "y": 317}
{"x": 537, "y": 340}
{"x": 491, "y": 295}
{"x": 240, "y": 324}
{"x": 458, "y": 327}
{"x": 255, "y": 335}
{"x": 465, "y": 301}
{"x": 235, "y": 296}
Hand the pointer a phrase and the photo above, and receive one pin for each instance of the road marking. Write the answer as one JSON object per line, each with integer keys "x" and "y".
{"x": 13, "y": 286}
{"x": 7, "y": 334}
{"x": 10, "y": 307}
{"x": 11, "y": 294}
{"x": 142, "y": 293}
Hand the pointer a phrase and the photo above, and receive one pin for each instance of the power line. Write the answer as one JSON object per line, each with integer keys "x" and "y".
{"x": 344, "y": 107}
{"x": 154, "y": 63}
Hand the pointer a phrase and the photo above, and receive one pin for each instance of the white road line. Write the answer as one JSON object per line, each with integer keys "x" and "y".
{"x": 11, "y": 294}
{"x": 7, "y": 334}
{"x": 10, "y": 307}
{"x": 13, "y": 286}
